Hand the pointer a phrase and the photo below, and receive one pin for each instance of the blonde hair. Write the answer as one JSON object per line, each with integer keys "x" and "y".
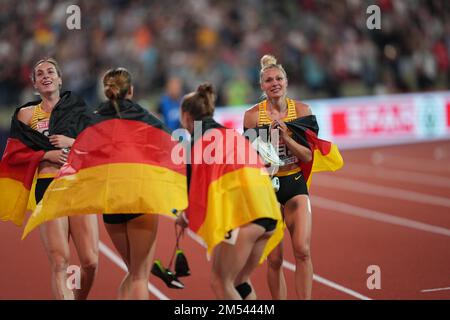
{"x": 267, "y": 62}
{"x": 117, "y": 83}
{"x": 200, "y": 104}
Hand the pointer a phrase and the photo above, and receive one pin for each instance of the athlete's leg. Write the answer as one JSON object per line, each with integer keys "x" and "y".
{"x": 141, "y": 235}
{"x": 84, "y": 232}
{"x": 119, "y": 237}
{"x": 55, "y": 238}
{"x": 298, "y": 219}
{"x": 252, "y": 263}
{"x": 230, "y": 259}
{"x": 275, "y": 275}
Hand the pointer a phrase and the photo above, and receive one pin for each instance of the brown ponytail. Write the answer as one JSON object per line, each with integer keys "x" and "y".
{"x": 117, "y": 83}
{"x": 200, "y": 104}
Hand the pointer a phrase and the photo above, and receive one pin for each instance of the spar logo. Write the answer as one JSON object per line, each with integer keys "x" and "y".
{"x": 373, "y": 119}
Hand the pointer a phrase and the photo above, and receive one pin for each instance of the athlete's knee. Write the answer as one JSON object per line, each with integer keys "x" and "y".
{"x": 139, "y": 271}
{"x": 89, "y": 262}
{"x": 138, "y": 276}
{"x": 302, "y": 251}
{"x": 90, "y": 266}
{"x": 275, "y": 261}
{"x": 221, "y": 280}
{"x": 216, "y": 282}
{"x": 59, "y": 261}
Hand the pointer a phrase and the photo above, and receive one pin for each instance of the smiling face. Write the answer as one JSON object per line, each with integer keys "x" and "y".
{"x": 46, "y": 78}
{"x": 274, "y": 83}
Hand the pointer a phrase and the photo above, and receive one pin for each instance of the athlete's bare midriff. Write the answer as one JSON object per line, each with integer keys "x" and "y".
{"x": 48, "y": 167}
{"x": 288, "y": 167}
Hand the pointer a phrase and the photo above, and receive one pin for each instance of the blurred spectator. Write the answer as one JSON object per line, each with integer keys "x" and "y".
{"x": 325, "y": 45}
{"x": 169, "y": 104}
{"x": 238, "y": 91}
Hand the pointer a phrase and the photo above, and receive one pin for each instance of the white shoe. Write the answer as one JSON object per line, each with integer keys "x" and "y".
{"x": 267, "y": 152}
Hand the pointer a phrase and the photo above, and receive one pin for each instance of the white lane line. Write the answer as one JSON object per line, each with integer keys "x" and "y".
{"x": 382, "y": 191}
{"x": 345, "y": 208}
{"x": 434, "y": 290}
{"x": 288, "y": 265}
{"x": 119, "y": 262}
{"x": 440, "y": 153}
{"x": 357, "y": 169}
{"x": 407, "y": 162}
{"x": 291, "y": 267}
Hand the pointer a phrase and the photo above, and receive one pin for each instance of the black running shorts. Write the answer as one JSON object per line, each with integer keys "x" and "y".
{"x": 290, "y": 186}
{"x": 119, "y": 218}
{"x": 41, "y": 186}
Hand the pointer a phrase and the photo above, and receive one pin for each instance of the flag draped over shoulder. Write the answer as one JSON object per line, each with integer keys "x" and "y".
{"x": 117, "y": 165}
{"x": 25, "y": 148}
{"x": 325, "y": 154}
{"x": 229, "y": 187}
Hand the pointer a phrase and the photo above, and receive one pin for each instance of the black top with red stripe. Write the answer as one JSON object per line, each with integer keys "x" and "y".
{"x": 69, "y": 116}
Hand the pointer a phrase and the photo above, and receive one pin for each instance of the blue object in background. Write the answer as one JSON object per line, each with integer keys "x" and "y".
{"x": 170, "y": 110}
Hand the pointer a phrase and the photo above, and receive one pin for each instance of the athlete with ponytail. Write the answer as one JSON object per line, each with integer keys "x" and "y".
{"x": 292, "y": 194}
{"x": 225, "y": 205}
{"x": 133, "y": 235}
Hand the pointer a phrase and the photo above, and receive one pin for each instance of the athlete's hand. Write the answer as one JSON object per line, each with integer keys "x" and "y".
{"x": 55, "y": 156}
{"x": 182, "y": 220}
{"x": 64, "y": 155}
{"x": 61, "y": 141}
{"x": 282, "y": 127}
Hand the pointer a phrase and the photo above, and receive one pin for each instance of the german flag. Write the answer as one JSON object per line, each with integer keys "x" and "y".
{"x": 229, "y": 187}
{"x": 25, "y": 149}
{"x": 117, "y": 165}
{"x": 325, "y": 154}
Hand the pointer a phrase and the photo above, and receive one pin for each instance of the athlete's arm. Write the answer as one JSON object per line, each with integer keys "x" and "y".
{"x": 55, "y": 156}
{"x": 25, "y": 115}
{"x": 300, "y": 151}
{"x": 251, "y": 118}
{"x": 61, "y": 141}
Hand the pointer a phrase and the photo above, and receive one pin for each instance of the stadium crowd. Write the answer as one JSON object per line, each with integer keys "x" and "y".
{"x": 325, "y": 45}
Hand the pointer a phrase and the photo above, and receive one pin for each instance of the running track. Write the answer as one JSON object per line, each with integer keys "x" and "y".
{"x": 389, "y": 206}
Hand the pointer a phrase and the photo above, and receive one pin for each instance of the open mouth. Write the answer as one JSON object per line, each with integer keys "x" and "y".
{"x": 47, "y": 83}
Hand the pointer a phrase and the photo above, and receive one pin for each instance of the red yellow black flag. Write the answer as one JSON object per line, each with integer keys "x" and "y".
{"x": 229, "y": 187}
{"x": 117, "y": 165}
{"x": 25, "y": 149}
{"x": 325, "y": 154}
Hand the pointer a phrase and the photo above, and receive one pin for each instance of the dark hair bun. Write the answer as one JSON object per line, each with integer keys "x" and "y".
{"x": 205, "y": 89}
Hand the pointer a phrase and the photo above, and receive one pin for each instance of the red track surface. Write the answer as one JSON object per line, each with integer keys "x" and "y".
{"x": 347, "y": 238}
